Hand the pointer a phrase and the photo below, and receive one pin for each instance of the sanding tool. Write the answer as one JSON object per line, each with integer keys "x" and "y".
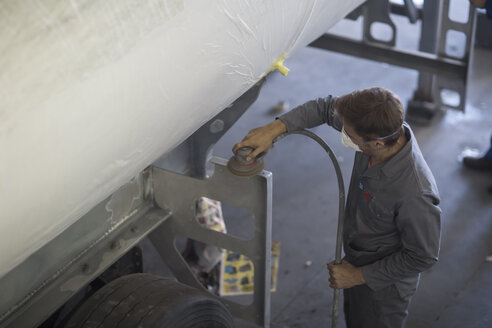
{"x": 238, "y": 165}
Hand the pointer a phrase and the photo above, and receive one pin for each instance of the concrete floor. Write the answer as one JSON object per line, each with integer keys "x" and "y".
{"x": 457, "y": 292}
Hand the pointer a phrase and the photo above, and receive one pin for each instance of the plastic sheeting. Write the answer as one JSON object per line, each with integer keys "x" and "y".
{"x": 93, "y": 91}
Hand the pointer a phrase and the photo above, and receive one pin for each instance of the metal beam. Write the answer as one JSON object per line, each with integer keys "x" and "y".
{"x": 406, "y": 58}
{"x": 396, "y": 9}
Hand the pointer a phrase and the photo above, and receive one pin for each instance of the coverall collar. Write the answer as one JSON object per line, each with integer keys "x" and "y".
{"x": 395, "y": 163}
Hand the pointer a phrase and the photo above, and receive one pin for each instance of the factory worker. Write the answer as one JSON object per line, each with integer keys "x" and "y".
{"x": 392, "y": 224}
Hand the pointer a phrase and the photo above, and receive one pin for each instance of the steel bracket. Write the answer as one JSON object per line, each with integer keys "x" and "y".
{"x": 377, "y": 11}
{"x": 179, "y": 193}
{"x": 192, "y": 156}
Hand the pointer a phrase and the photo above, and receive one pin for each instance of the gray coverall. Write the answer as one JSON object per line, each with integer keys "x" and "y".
{"x": 392, "y": 224}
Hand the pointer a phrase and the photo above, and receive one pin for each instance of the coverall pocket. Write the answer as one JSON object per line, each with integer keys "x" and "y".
{"x": 381, "y": 218}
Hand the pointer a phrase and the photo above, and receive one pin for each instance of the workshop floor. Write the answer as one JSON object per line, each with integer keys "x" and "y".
{"x": 456, "y": 292}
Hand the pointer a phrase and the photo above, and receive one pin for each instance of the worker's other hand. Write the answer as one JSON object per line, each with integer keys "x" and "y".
{"x": 478, "y": 3}
{"x": 261, "y": 138}
{"x": 344, "y": 275}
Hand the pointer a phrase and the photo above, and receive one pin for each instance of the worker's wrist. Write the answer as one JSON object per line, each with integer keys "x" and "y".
{"x": 278, "y": 127}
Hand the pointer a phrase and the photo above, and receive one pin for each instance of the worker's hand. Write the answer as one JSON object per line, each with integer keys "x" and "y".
{"x": 345, "y": 275}
{"x": 261, "y": 138}
{"x": 478, "y": 3}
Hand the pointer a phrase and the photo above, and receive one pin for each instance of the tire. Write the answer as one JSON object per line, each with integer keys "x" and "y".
{"x": 147, "y": 301}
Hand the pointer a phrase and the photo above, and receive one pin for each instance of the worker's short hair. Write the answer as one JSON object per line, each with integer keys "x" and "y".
{"x": 373, "y": 113}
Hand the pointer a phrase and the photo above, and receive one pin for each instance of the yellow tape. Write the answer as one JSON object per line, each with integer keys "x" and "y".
{"x": 279, "y": 65}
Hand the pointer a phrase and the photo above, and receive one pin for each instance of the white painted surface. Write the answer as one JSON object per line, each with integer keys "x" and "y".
{"x": 93, "y": 91}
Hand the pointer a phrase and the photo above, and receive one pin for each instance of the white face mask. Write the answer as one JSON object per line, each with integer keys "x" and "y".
{"x": 346, "y": 141}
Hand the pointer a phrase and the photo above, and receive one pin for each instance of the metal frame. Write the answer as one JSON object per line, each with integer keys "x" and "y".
{"x": 438, "y": 70}
{"x": 254, "y": 194}
{"x": 159, "y": 204}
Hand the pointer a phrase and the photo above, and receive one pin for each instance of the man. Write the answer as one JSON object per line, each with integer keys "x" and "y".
{"x": 392, "y": 221}
{"x": 483, "y": 4}
{"x": 481, "y": 163}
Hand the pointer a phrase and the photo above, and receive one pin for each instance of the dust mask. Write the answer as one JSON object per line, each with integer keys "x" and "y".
{"x": 346, "y": 141}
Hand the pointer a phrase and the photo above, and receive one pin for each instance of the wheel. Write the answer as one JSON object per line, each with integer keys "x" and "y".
{"x": 147, "y": 301}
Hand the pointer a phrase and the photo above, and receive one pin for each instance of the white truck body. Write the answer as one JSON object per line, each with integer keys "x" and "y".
{"x": 91, "y": 94}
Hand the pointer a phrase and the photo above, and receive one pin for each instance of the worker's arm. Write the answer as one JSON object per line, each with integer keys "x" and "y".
{"x": 311, "y": 114}
{"x": 308, "y": 115}
{"x": 419, "y": 223}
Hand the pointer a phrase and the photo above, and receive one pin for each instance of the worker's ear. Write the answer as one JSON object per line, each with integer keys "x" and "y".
{"x": 379, "y": 144}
